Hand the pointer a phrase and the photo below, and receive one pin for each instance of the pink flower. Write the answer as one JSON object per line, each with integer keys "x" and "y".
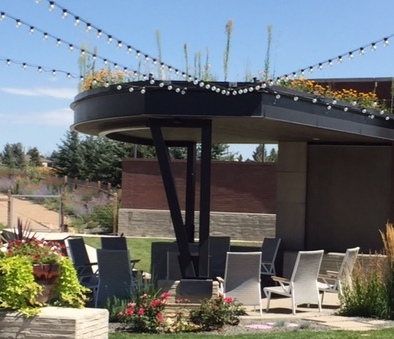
{"x": 155, "y": 303}
{"x": 159, "y": 317}
{"x": 131, "y": 305}
{"x": 165, "y": 295}
{"x": 129, "y": 311}
{"x": 141, "y": 311}
{"x": 228, "y": 300}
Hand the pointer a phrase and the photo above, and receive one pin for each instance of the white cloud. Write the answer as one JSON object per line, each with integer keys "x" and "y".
{"x": 55, "y": 117}
{"x": 58, "y": 93}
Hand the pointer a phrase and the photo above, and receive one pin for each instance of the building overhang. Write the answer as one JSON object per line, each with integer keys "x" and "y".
{"x": 267, "y": 115}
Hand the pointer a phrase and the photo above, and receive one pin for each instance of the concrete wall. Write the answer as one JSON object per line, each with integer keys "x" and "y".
{"x": 291, "y": 194}
{"x": 333, "y": 197}
{"x": 348, "y": 196}
{"x": 239, "y": 226}
{"x": 56, "y": 322}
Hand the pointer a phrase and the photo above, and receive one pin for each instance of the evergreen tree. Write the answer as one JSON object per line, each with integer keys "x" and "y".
{"x": 68, "y": 160}
{"x": 259, "y": 153}
{"x": 34, "y": 157}
{"x": 273, "y": 156}
{"x": 13, "y": 155}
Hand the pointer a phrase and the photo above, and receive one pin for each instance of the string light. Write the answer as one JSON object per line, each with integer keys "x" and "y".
{"x": 64, "y": 14}
{"x": 76, "y": 21}
{"x": 51, "y": 6}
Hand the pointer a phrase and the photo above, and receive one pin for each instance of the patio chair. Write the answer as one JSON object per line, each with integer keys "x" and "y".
{"x": 117, "y": 243}
{"x": 88, "y": 277}
{"x": 242, "y": 278}
{"x": 218, "y": 248}
{"x": 269, "y": 251}
{"x": 116, "y": 279}
{"x": 302, "y": 287}
{"x": 333, "y": 281}
{"x": 113, "y": 243}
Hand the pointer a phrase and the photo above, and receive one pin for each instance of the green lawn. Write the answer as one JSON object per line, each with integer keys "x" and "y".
{"x": 303, "y": 334}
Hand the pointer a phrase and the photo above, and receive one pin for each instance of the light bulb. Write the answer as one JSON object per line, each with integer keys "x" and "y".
{"x": 64, "y": 14}
{"x": 8, "y": 62}
{"x": 71, "y": 48}
{"x": 131, "y": 89}
{"x": 345, "y": 109}
{"x": 54, "y": 72}
{"x": 129, "y": 49}
{"x": 385, "y": 42}
{"x": 143, "y": 90}
{"x": 31, "y": 30}
{"x": 51, "y": 6}
{"x": 320, "y": 66}
{"x": 295, "y": 98}
{"x": 277, "y": 96}
{"x": 328, "y": 107}
{"x": 39, "y": 69}
{"x": 76, "y": 21}
{"x": 361, "y": 51}
{"x": 340, "y": 59}
{"x": 314, "y": 100}
{"x": 119, "y": 87}
{"x": 387, "y": 118}
{"x": 58, "y": 42}
{"x": 18, "y": 23}
{"x": 45, "y": 36}
{"x": 373, "y": 47}
{"x": 24, "y": 65}
{"x": 364, "y": 111}
{"x": 119, "y": 44}
{"x": 2, "y": 16}
{"x": 99, "y": 34}
{"x": 109, "y": 40}
{"x": 88, "y": 27}
{"x": 350, "y": 55}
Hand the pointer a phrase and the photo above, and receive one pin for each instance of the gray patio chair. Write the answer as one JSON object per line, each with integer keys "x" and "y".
{"x": 88, "y": 277}
{"x": 242, "y": 278}
{"x": 117, "y": 243}
{"x": 113, "y": 243}
{"x": 302, "y": 287}
{"x": 333, "y": 281}
{"x": 116, "y": 279}
{"x": 269, "y": 250}
{"x": 218, "y": 248}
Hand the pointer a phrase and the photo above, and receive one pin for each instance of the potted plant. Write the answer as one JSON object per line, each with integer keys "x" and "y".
{"x": 35, "y": 272}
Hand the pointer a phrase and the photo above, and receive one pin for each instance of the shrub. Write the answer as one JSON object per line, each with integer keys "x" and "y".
{"x": 216, "y": 312}
{"x": 145, "y": 314}
{"x": 365, "y": 298}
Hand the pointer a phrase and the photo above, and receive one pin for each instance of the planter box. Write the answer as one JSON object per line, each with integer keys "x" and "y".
{"x": 56, "y": 322}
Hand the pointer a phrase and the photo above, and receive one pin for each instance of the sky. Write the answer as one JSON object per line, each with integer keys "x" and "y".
{"x": 35, "y": 106}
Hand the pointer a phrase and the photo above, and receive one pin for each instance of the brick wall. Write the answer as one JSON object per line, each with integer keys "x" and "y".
{"x": 242, "y": 187}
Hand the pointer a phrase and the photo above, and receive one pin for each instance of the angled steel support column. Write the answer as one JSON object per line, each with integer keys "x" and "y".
{"x": 190, "y": 191}
{"x": 205, "y": 198}
{"x": 185, "y": 259}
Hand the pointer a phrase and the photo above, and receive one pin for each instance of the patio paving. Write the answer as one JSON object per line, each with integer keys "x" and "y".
{"x": 280, "y": 311}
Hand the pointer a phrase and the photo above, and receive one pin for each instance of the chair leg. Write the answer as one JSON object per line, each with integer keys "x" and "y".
{"x": 268, "y": 295}
{"x": 293, "y": 304}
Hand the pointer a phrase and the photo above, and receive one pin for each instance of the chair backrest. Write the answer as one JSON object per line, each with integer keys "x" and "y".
{"x": 346, "y": 268}
{"x": 304, "y": 277}
{"x": 115, "y": 274}
{"x": 269, "y": 250}
{"x": 242, "y": 277}
{"x": 218, "y": 248}
{"x": 113, "y": 243}
{"x": 78, "y": 253}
